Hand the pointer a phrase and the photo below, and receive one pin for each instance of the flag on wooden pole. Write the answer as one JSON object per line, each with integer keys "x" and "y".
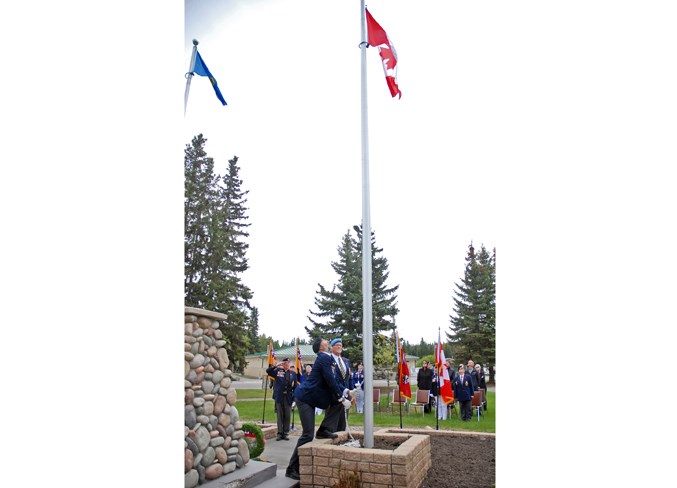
{"x": 404, "y": 384}
{"x": 446, "y": 392}
{"x": 299, "y": 373}
{"x": 271, "y": 357}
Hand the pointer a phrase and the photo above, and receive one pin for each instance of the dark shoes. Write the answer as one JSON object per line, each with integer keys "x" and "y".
{"x": 285, "y": 437}
{"x": 293, "y": 474}
{"x": 326, "y": 435}
{"x": 279, "y": 438}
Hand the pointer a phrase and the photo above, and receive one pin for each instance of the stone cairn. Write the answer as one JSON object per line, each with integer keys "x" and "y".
{"x": 214, "y": 439}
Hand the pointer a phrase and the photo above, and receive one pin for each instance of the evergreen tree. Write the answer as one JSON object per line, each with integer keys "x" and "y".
{"x": 216, "y": 250}
{"x": 199, "y": 185}
{"x": 472, "y": 332}
{"x": 339, "y": 310}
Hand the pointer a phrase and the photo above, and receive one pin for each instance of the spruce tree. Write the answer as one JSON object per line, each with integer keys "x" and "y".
{"x": 215, "y": 248}
{"x": 199, "y": 185}
{"x": 339, "y": 310}
{"x": 472, "y": 332}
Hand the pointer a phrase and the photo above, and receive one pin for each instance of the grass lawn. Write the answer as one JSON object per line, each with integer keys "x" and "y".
{"x": 252, "y": 410}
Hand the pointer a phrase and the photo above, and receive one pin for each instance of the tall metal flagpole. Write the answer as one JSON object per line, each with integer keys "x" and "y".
{"x": 366, "y": 251}
{"x": 189, "y": 76}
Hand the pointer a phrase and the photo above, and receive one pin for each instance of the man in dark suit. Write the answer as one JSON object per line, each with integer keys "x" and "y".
{"x": 335, "y": 417}
{"x": 283, "y": 394}
{"x": 317, "y": 390}
{"x": 463, "y": 392}
{"x": 470, "y": 369}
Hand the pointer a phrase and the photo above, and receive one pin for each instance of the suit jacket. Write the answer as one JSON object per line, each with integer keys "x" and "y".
{"x": 463, "y": 391}
{"x": 424, "y": 379}
{"x": 475, "y": 379}
{"x": 481, "y": 381}
{"x": 284, "y": 384}
{"x": 320, "y": 389}
{"x": 348, "y": 381}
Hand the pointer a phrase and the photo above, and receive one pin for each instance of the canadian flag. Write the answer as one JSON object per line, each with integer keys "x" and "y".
{"x": 377, "y": 37}
{"x": 446, "y": 392}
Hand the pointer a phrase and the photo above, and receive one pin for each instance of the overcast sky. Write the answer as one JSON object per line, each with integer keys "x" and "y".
{"x": 290, "y": 72}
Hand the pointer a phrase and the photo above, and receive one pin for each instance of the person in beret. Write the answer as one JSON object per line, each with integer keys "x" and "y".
{"x": 283, "y": 394}
{"x": 335, "y": 418}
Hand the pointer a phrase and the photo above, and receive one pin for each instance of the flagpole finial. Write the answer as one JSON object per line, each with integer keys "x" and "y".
{"x": 195, "y": 43}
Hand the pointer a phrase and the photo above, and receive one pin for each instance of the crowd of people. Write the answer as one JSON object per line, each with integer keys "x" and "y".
{"x": 333, "y": 386}
{"x": 465, "y": 381}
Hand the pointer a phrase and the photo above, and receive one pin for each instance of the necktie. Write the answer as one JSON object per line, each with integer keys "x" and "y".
{"x": 342, "y": 368}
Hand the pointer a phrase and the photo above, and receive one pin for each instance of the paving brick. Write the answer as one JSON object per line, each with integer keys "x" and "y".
{"x": 380, "y": 468}
{"x": 399, "y": 480}
{"x": 381, "y": 457}
{"x": 385, "y": 479}
{"x": 368, "y": 477}
{"x": 348, "y": 465}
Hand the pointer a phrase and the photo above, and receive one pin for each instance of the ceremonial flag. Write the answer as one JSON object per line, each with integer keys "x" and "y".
{"x": 202, "y": 70}
{"x": 405, "y": 386}
{"x": 299, "y": 373}
{"x": 271, "y": 357}
{"x": 377, "y": 37}
{"x": 446, "y": 392}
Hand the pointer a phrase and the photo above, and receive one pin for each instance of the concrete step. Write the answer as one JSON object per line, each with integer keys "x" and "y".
{"x": 252, "y": 474}
{"x": 280, "y": 481}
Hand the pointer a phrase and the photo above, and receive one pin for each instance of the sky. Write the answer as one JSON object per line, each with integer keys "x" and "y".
{"x": 546, "y": 129}
{"x": 293, "y": 119}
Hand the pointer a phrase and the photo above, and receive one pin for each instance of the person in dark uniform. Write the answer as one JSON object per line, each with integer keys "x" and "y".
{"x": 358, "y": 381}
{"x": 317, "y": 391}
{"x": 424, "y": 381}
{"x": 463, "y": 392}
{"x": 481, "y": 383}
{"x": 283, "y": 394}
{"x": 335, "y": 417}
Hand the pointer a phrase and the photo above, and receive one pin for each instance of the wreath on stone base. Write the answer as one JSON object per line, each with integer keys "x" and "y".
{"x": 255, "y": 440}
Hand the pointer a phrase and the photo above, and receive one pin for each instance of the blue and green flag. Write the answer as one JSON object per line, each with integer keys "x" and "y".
{"x": 202, "y": 70}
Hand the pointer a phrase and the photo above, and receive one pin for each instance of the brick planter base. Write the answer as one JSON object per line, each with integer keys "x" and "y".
{"x": 323, "y": 459}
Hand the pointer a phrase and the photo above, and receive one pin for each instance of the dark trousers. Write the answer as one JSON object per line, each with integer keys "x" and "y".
{"x": 334, "y": 419}
{"x": 283, "y": 412}
{"x": 307, "y": 416}
{"x": 466, "y": 409}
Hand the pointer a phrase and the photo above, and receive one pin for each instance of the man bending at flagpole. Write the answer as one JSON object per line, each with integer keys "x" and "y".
{"x": 316, "y": 391}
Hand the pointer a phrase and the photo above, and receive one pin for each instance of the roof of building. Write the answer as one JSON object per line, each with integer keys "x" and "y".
{"x": 306, "y": 352}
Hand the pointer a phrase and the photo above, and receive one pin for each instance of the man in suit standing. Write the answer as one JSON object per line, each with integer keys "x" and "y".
{"x": 317, "y": 391}
{"x": 470, "y": 369}
{"x": 283, "y": 394}
{"x": 464, "y": 391}
{"x": 335, "y": 417}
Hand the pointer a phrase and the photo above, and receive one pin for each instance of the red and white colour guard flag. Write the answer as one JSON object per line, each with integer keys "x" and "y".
{"x": 377, "y": 37}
